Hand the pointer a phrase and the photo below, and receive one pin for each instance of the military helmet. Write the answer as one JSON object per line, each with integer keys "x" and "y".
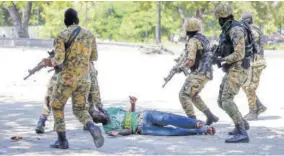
{"x": 192, "y": 24}
{"x": 223, "y": 11}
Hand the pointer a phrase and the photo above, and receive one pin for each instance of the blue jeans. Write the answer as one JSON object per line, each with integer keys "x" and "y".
{"x": 157, "y": 123}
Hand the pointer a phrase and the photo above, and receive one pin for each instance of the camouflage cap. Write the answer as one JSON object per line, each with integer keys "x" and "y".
{"x": 246, "y": 15}
{"x": 223, "y": 11}
{"x": 192, "y": 24}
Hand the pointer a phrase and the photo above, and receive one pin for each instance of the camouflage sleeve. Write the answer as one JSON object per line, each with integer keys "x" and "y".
{"x": 94, "y": 54}
{"x": 59, "y": 50}
{"x": 192, "y": 47}
{"x": 238, "y": 38}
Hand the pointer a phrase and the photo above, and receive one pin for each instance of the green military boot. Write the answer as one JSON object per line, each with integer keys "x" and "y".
{"x": 241, "y": 136}
{"x": 61, "y": 142}
{"x": 235, "y": 130}
{"x": 260, "y": 108}
{"x": 96, "y": 133}
{"x": 40, "y": 124}
{"x": 251, "y": 116}
{"x": 210, "y": 117}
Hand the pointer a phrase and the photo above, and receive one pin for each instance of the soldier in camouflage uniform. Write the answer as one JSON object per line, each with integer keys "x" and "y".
{"x": 197, "y": 46}
{"x": 93, "y": 99}
{"x": 258, "y": 64}
{"x": 233, "y": 42}
{"x": 74, "y": 79}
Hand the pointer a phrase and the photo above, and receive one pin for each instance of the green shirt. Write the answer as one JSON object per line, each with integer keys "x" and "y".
{"x": 121, "y": 119}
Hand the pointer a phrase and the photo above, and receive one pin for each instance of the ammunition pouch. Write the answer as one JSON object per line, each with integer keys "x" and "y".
{"x": 246, "y": 62}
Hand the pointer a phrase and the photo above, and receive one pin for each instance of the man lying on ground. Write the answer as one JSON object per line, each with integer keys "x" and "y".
{"x": 149, "y": 122}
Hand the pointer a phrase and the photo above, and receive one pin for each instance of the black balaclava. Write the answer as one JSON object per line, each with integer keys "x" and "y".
{"x": 223, "y": 22}
{"x": 191, "y": 33}
{"x": 71, "y": 17}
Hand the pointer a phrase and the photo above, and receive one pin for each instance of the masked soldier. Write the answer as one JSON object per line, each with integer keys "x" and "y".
{"x": 235, "y": 56}
{"x": 196, "y": 48}
{"x": 75, "y": 47}
{"x": 93, "y": 99}
{"x": 258, "y": 64}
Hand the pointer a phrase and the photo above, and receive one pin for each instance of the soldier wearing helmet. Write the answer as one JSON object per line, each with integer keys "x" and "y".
{"x": 196, "y": 47}
{"x": 235, "y": 59}
{"x": 259, "y": 63}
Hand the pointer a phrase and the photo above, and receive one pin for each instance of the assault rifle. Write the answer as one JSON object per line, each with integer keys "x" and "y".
{"x": 40, "y": 65}
{"x": 177, "y": 69}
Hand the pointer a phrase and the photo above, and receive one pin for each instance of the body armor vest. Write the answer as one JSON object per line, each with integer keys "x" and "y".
{"x": 227, "y": 47}
{"x": 260, "y": 41}
{"x": 202, "y": 57}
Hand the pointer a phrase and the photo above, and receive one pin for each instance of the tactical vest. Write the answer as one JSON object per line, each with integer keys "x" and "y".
{"x": 226, "y": 44}
{"x": 260, "y": 41}
{"x": 200, "y": 64}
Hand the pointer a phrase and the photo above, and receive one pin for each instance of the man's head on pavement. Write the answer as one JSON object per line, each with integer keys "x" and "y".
{"x": 100, "y": 117}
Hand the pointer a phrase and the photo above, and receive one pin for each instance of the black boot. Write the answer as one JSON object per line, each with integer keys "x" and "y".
{"x": 96, "y": 133}
{"x": 235, "y": 131}
{"x": 61, "y": 142}
{"x": 240, "y": 137}
{"x": 210, "y": 117}
{"x": 40, "y": 124}
{"x": 260, "y": 108}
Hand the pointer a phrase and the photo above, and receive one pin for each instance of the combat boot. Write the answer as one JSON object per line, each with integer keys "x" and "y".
{"x": 251, "y": 116}
{"x": 235, "y": 131}
{"x": 260, "y": 108}
{"x": 61, "y": 142}
{"x": 40, "y": 124}
{"x": 241, "y": 136}
{"x": 210, "y": 117}
{"x": 96, "y": 133}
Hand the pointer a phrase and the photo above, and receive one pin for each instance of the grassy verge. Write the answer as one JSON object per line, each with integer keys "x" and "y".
{"x": 274, "y": 46}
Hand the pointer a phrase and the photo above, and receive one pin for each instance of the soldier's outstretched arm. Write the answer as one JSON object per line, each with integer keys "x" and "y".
{"x": 238, "y": 38}
{"x": 59, "y": 50}
{"x": 191, "y": 50}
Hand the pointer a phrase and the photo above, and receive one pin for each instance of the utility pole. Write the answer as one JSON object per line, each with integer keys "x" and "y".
{"x": 158, "y": 22}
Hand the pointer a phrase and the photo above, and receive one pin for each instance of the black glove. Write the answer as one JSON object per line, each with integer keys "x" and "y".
{"x": 225, "y": 67}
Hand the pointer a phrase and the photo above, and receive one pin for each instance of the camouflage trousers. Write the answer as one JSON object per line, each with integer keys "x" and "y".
{"x": 94, "y": 97}
{"x": 78, "y": 90}
{"x": 46, "y": 106}
{"x": 229, "y": 88}
{"x": 189, "y": 93}
{"x": 250, "y": 89}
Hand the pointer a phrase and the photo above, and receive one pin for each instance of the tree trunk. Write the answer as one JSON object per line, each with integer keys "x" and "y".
{"x": 158, "y": 22}
{"x": 21, "y": 24}
{"x": 199, "y": 14}
{"x": 181, "y": 14}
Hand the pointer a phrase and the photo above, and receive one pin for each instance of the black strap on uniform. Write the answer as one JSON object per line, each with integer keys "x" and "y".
{"x": 70, "y": 41}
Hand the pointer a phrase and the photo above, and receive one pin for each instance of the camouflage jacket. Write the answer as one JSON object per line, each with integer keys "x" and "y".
{"x": 81, "y": 52}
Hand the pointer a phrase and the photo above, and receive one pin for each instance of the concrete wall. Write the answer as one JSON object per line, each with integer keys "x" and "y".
{"x": 10, "y": 32}
{"x": 22, "y": 42}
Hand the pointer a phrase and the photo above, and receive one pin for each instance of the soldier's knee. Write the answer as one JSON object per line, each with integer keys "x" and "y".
{"x": 56, "y": 105}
